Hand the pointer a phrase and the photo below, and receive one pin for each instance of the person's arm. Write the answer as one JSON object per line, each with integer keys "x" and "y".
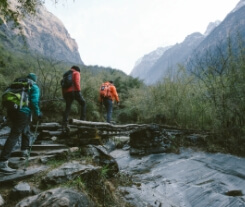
{"x": 114, "y": 94}
{"x": 76, "y": 81}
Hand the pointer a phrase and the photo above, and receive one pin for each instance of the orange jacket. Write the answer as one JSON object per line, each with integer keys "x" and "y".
{"x": 76, "y": 83}
{"x": 113, "y": 93}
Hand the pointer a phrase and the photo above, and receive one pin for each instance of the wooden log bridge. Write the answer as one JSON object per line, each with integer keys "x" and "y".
{"x": 84, "y": 132}
{"x": 107, "y": 128}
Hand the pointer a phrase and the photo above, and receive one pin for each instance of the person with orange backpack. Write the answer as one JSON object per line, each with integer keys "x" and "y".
{"x": 108, "y": 94}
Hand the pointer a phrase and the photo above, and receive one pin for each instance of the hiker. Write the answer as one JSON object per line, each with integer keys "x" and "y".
{"x": 71, "y": 93}
{"x": 108, "y": 93}
{"x": 20, "y": 119}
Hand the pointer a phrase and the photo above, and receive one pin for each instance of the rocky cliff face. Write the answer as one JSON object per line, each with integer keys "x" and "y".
{"x": 144, "y": 64}
{"x": 232, "y": 26}
{"x": 211, "y": 27}
{"x": 167, "y": 63}
{"x": 45, "y": 35}
{"x": 196, "y": 43}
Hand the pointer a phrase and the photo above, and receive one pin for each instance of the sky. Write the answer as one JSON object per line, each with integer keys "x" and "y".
{"x": 116, "y": 33}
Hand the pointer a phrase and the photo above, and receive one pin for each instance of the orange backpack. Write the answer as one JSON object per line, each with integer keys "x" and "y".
{"x": 105, "y": 91}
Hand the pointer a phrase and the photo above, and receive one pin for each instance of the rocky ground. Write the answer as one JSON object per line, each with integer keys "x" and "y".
{"x": 56, "y": 174}
{"x": 144, "y": 169}
{"x": 190, "y": 178}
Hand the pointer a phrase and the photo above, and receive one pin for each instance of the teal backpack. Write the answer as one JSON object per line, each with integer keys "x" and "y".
{"x": 16, "y": 95}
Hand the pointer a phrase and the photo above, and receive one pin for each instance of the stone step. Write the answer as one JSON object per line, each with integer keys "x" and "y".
{"x": 22, "y": 174}
{"x": 39, "y": 147}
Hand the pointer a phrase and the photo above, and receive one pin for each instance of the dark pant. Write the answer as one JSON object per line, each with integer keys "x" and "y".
{"x": 69, "y": 98}
{"x": 108, "y": 106}
{"x": 19, "y": 126}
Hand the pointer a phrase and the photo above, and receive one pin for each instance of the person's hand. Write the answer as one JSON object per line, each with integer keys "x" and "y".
{"x": 40, "y": 116}
{"x": 118, "y": 103}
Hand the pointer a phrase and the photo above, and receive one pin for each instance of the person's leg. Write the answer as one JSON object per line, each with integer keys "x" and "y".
{"x": 108, "y": 106}
{"x": 69, "y": 97}
{"x": 81, "y": 101}
{"x": 19, "y": 121}
{"x": 27, "y": 137}
{"x": 26, "y": 141}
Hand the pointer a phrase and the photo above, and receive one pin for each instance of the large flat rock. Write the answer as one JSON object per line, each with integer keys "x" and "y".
{"x": 21, "y": 174}
{"x": 185, "y": 180}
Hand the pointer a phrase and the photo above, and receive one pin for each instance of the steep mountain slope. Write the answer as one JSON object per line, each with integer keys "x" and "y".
{"x": 233, "y": 25}
{"x": 44, "y": 34}
{"x": 196, "y": 43}
{"x": 144, "y": 64}
{"x": 167, "y": 64}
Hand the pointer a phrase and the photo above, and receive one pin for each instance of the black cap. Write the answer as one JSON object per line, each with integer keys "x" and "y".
{"x": 76, "y": 68}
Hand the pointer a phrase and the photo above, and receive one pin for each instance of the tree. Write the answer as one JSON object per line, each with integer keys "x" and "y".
{"x": 14, "y": 10}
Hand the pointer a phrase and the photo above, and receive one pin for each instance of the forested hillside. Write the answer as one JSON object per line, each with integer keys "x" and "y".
{"x": 160, "y": 148}
{"x": 49, "y": 72}
{"x": 210, "y": 98}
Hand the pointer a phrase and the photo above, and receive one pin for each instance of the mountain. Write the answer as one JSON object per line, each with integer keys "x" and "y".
{"x": 167, "y": 62}
{"x": 232, "y": 26}
{"x": 143, "y": 65}
{"x": 196, "y": 43}
{"x": 44, "y": 34}
{"x": 211, "y": 27}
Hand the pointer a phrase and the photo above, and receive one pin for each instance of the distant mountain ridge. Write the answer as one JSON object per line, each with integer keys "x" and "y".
{"x": 45, "y": 35}
{"x": 143, "y": 65}
{"x": 216, "y": 32}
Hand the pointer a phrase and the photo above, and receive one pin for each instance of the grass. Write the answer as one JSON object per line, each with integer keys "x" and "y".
{"x": 77, "y": 183}
{"x": 53, "y": 163}
{"x": 104, "y": 172}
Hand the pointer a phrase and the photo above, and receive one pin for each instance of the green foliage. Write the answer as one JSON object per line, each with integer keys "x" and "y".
{"x": 54, "y": 163}
{"x": 49, "y": 73}
{"x": 104, "y": 172}
{"x": 209, "y": 96}
{"x": 75, "y": 183}
{"x": 12, "y": 12}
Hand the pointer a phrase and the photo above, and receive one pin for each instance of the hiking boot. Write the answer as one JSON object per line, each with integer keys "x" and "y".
{"x": 65, "y": 128}
{"x": 5, "y": 169}
{"x": 24, "y": 154}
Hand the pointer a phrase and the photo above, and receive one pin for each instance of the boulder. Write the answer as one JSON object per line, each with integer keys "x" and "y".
{"x": 101, "y": 157}
{"x": 57, "y": 197}
{"x": 70, "y": 171}
{"x": 149, "y": 140}
{"x": 21, "y": 190}
{"x": 1, "y": 201}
